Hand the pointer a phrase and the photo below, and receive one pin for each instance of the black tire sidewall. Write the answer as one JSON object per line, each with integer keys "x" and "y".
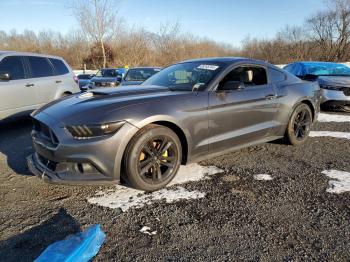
{"x": 290, "y": 135}
{"x": 132, "y": 157}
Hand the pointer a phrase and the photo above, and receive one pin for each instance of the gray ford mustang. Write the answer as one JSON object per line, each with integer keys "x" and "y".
{"x": 187, "y": 112}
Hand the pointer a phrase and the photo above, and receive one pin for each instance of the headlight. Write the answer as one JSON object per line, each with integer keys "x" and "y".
{"x": 113, "y": 83}
{"x": 94, "y": 130}
{"x": 329, "y": 87}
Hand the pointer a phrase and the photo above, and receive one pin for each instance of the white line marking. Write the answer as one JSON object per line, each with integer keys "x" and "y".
{"x": 322, "y": 117}
{"x": 345, "y": 135}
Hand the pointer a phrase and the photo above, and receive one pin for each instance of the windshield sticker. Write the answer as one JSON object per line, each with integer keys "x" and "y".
{"x": 208, "y": 67}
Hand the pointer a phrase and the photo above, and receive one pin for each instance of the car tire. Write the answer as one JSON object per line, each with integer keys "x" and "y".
{"x": 152, "y": 158}
{"x": 65, "y": 94}
{"x": 299, "y": 125}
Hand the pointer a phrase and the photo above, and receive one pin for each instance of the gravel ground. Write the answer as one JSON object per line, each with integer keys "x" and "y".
{"x": 291, "y": 217}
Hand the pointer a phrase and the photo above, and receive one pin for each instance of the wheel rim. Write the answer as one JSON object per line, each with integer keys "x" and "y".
{"x": 302, "y": 122}
{"x": 157, "y": 159}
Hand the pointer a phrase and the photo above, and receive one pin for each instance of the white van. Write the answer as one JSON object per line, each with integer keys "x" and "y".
{"x": 28, "y": 81}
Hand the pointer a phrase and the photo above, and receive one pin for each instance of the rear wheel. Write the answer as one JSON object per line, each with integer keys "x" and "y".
{"x": 299, "y": 125}
{"x": 152, "y": 158}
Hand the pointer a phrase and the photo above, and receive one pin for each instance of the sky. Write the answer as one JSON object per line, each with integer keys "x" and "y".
{"x": 228, "y": 21}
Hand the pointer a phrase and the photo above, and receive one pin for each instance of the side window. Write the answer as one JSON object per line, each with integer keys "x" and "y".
{"x": 40, "y": 66}
{"x": 249, "y": 75}
{"x": 276, "y": 76}
{"x": 12, "y": 65}
{"x": 60, "y": 67}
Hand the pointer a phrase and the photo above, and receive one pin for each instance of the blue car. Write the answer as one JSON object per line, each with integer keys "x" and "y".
{"x": 107, "y": 77}
{"x": 333, "y": 78}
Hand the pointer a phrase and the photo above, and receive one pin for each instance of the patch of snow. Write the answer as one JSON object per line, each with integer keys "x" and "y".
{"x": 147, "y": 231}
{"x": 322, "y": 117}
{"x": 345, "y": 135}
{"x": 194, "y": 172}
{"x": 125, "y": 198}
{"x": 263, "y": 177}
{"x": 340, "y": 182}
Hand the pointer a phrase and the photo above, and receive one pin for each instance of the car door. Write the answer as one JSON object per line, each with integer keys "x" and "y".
{"x": 43, "y": 79}
{"x": 243, "y": 115}
{"x": 17, "y": 94}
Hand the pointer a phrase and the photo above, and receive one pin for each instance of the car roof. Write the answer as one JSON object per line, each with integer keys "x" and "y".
{"x": 146, "y": 67}
{"x": 227, "y": 60}
{"x": 28, "y": 54}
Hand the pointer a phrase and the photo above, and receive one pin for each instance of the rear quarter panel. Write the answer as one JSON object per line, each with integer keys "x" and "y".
{"x": 290, "y": 95}
{"x": 68, "y": 85}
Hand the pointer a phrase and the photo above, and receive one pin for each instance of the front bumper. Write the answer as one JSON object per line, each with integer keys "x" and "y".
{"x": 71, "y": 161}
{"x": 335, "y": 95}
{"x": 44, "y": 172}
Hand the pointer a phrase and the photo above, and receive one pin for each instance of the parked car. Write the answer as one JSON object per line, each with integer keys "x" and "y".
{"x": 137, "y": 75}
{"x": 107, "y": 77}
{"x": 185, "y": 113}
{"x": 28, "y": 81}
{"x": 333, "y": 78}
{"x": 84, "y": 80}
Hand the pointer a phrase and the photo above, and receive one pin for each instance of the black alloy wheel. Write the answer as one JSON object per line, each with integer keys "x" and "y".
{"x": 152, "y": 158}
{"x": 299, "y": 125}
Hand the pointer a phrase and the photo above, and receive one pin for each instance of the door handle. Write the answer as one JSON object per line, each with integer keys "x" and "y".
{"x": 58, "y": 81}
{"x": 270, "y": 96}
{"x": 29, "y": 85}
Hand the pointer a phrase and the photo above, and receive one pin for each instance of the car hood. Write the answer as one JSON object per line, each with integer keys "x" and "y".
{"x": 103, "y": 104}
{"x": 103, "y": 79}
{"x": 341, "y": 81}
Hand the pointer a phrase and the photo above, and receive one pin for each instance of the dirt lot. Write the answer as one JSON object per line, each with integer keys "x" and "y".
{"x": 235, "y": 216}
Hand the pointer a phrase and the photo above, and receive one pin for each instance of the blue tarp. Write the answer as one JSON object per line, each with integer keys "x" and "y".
{"x": 318, "y": 68}
{"x": 80, "y": 247}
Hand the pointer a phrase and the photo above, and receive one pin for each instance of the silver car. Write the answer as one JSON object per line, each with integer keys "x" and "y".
{"x": 28, "y": 81}
{"x": 333, "y": 78}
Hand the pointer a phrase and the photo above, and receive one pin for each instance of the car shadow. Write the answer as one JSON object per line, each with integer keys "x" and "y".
{"x": 15, "y": 143}
{"x": 30, "y": 244}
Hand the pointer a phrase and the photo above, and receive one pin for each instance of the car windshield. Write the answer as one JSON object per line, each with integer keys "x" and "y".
{"x": 84, "y": 76}
{"x": 107, "y": 73}
{"x": 186, "y": 76}
{"x": 327, "y": 69}
{"x": 140, "y": 74}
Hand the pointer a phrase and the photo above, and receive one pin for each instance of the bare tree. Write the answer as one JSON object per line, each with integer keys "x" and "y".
{"x": 330, "y": 30}
{"x": 98, "y": 19}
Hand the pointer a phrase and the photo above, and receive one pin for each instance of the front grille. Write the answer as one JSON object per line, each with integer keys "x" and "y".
{"x": 45, "y": 132}
{"x": 102, "y": 84}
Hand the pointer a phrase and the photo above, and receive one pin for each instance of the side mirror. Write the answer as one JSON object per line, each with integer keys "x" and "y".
{"x": 5, "y": 77}
{"x": 232, "y": 85}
